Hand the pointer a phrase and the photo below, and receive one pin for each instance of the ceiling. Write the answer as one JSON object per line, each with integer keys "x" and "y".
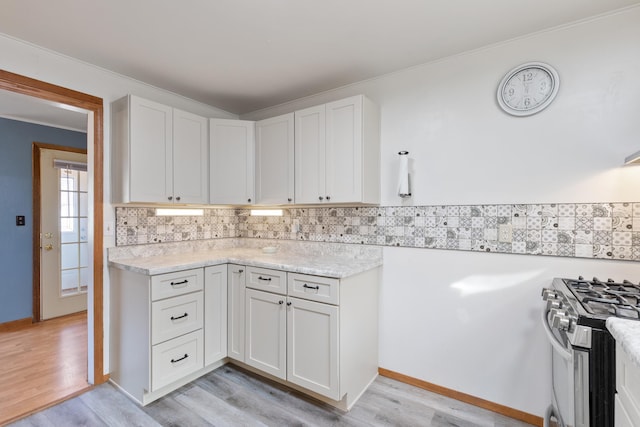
{"x": 245, "y": 55}
{"x": 35, "y": 110}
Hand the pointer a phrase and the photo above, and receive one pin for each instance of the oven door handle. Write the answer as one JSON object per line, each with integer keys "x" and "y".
{"x": 566, "y": 354}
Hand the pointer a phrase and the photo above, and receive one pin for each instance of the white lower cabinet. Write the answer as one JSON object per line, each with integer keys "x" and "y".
{"x": 266, "y": 332}
{"x": 318, "y": 334}
{"x": 312, "y": 346}
{"x": 627, "y": 405}
{"x": 235, "y": 317}
{"x": 166, "y": 330}
{"x": 176, "y": 358}
{"x": 215, "y": 313}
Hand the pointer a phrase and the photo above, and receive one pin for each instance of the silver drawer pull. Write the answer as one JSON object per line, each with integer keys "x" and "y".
{"x": 310, "y": 287}
{"x": 184, "y": 282}
{"x": 178, "y": 360}
{"x": 268, "y": 279}
{"x": 180, "y": 317}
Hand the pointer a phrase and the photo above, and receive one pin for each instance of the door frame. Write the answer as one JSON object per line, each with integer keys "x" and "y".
{"x": 94, "y": 105}
{"x": 36, "y": 192}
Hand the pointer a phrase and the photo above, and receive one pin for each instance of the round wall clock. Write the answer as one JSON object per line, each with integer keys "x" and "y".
{"x": 528, "y": 88}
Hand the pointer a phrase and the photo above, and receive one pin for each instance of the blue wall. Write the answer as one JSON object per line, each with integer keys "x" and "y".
{"x": 15, "y": 199}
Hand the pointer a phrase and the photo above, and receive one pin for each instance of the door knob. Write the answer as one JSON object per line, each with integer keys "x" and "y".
{"x": 48, "y": 247}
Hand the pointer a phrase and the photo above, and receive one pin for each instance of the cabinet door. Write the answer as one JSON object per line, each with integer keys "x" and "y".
{"x": 344, "y": 150}
{"x": 215, "y": 313}
{"x": 231, "y": 162}
{"x": 266, "y": 336}
{"x": 150, "y": 151}
{"x": 310, "y": 155}
{"x": 275, "y": 160}
{"x": 312, "y": 347}
{"x": 190, "y": 165}
{"x": 235, "y": 317}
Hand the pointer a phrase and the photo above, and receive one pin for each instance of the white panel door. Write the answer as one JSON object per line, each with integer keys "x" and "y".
{"x": 64, "y": 248}
{"x": 266, "y": 332}
{"x": 151, "y": 146}
{"x": 231, "y": 162}
{"x": 190, "y": 165}
{"x": 313, "y": 347}
{"x": 275, "y": 160}
{"x": 235, "y": 316}
{"x": 215, "y": 313}
{"x": 310, "y": 155}
{"x": 344, "y": 150}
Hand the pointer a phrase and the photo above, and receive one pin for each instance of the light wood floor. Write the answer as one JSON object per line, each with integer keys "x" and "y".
{"x": 230, "y": 396}
{"x": 42, "y": 364}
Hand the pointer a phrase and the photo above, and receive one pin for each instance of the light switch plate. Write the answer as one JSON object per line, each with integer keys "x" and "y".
{"x": 109, "y": 227}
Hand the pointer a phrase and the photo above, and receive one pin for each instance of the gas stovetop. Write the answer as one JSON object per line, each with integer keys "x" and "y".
{"x": 604, "y": 299}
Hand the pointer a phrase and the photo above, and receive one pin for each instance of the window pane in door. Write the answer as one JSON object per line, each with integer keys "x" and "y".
{"x": 82, "y": 179}
{"x": 69, "y": 230}
{"x": 69, "y": 280}
{"x": 84, "y": 254}
{"x": 84, "y": 229}
{"x": 84, "y": 204}
{"x": 84, "y": 278}
{"x": 69, "y": 255}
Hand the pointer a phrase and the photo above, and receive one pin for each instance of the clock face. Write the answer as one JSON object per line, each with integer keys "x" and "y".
{"x": 528, "y": 89}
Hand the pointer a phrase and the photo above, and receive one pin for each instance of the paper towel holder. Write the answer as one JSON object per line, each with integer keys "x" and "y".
{"x": 406, "y": 192}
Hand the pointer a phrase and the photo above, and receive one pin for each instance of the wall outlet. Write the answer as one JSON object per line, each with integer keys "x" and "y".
{"x": 505, "y": 233}
{"x": 295, "y": 226}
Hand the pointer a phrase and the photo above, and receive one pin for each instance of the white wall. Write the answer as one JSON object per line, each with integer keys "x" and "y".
{"x": 470, "y": 321}
{"x": 32, "y": 61}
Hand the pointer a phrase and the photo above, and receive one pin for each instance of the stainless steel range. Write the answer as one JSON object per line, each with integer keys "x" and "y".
{"x": 583, "y": 351}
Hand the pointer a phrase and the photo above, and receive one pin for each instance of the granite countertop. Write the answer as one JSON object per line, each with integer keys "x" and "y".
{"x": 328, "y": 265}
{"x": 627, "y": 334}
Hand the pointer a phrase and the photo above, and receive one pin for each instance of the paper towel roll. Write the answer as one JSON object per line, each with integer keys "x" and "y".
{"x": 404, "y": 189}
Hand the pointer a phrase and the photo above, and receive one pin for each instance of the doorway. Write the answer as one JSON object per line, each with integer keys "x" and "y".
{"x": 94, "y": 107}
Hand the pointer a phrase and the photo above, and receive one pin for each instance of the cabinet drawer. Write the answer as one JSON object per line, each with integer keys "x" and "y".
{"x": 178, "y": 283}
{"x": 176, "y": 358}
{"x": 267, "y": 280}
{"x": 314, "y": 288}
{"x": 176, "y": 316}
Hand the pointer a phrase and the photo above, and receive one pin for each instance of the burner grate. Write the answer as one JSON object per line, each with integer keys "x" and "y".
{"x": 610, "y": 298}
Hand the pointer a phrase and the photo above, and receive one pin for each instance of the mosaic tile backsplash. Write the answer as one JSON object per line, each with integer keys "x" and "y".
{"x": 585, "y": 230}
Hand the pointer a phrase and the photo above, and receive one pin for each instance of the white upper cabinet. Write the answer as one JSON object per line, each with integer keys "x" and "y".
{"x": 158, "y": 153}
{"x": 275, "y": 160}
{"x": 190, "y": 165}
{"x": 310, "y": 155}
{"x": 338, "y": 152}
{"x": 231, "y": 162}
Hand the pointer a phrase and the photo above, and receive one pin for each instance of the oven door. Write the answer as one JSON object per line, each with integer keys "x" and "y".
{"x": 570, "y": 379}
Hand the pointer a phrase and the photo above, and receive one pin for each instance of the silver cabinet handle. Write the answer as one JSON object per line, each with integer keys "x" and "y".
{"x": 170, "y": 197}
{"x": 280, "y": 302}
{"x": 178, "y": 198}
{"x": 320, "y": 198}
{"x": 328, "y": 198}
{"x": 288, "y": 303}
